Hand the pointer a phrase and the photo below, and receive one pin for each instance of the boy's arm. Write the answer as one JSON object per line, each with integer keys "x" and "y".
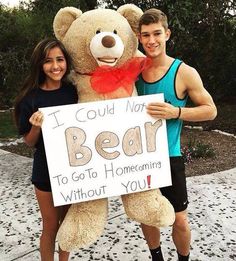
{"x": 204, "y": 108}
{"x": 190, "y": 83}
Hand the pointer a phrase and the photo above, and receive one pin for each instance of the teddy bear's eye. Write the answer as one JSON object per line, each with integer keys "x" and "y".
{"x": 98, "y": 31}
{"x": 115, "y": 32}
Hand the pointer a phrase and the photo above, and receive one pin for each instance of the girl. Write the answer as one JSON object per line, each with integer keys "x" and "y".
{"x": 45, "y": 86}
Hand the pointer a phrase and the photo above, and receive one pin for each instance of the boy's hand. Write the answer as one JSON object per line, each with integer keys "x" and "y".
{"x": 162, "y": 110}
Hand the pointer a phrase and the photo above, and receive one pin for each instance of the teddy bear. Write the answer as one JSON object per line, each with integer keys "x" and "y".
{"x": 104, "y": 49}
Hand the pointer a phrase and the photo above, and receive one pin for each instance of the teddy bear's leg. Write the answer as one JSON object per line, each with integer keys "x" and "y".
{"x": 149, "y": 207}
{"x": 83, "y": 224}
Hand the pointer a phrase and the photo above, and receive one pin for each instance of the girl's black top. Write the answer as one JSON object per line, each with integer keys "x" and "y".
{"x": 39, "y": 98}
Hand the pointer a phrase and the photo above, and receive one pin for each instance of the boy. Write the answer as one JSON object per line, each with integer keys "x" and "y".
{"x": 177, "y": 81}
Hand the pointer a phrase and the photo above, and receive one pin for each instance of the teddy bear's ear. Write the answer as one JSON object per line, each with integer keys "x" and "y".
{"x": 63, "y": 20}
{"x": 132, "y": 13}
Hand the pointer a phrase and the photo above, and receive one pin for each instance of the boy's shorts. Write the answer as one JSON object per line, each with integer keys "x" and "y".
{"x": 177, "y": 193}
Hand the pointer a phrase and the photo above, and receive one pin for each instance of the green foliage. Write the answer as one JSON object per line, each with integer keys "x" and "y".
{"x": 42, "y": 13}
{"x": 28, "y": 24}
{"x": 203, "y": 151}
{"x": 12, "y": 52}
{"x": 196, "y": 149}
{"x": 203, "y": 35}
{"x": 7, "y": 126}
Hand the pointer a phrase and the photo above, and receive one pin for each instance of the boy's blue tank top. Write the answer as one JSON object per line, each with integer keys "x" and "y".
{"x": 166, "y": 85}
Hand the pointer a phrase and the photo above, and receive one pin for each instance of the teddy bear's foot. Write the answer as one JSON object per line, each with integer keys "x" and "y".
{"x": 150, "y": 208}
{"x": 84, "y": 223}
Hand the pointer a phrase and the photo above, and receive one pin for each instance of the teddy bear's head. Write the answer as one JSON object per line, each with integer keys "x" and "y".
{"x": 98, "y": 37}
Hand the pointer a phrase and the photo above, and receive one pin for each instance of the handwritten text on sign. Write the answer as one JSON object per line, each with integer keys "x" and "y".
{"x": 106, "y": 148}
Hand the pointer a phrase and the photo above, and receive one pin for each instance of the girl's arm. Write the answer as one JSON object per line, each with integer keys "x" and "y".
{"x": 32, "y": 136}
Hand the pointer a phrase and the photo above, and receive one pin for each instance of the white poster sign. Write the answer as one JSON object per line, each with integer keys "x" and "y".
{"x": 105, "y": 148}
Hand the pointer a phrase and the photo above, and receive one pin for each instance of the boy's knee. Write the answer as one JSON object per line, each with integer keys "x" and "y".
{"x": 181, "y": 223}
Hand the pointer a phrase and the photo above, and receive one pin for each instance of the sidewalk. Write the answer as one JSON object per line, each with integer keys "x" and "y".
{"x": 212, "y": 213}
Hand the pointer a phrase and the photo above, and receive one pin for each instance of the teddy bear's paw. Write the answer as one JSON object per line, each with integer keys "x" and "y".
{"x": 83, "y": 224}
{"x": 150, "y": 208}
{"x": 165, "y": 215}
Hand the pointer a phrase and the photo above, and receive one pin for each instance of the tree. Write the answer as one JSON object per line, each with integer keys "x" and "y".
{"x": 203, "y": 35}
{"x": 29, "y": 23}
{"x": 12, "y": 51}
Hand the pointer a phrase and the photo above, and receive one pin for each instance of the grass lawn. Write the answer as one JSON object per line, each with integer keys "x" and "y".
{"x": 7, "y": 126}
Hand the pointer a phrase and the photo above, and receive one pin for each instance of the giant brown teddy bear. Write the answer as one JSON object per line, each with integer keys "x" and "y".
{"x": 103, "y": 46}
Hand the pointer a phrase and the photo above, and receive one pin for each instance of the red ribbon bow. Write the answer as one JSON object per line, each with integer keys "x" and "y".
{"x": 107, "y": 79}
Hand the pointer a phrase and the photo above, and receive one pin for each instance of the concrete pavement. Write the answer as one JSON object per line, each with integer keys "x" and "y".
{"x": 212, "y": 213}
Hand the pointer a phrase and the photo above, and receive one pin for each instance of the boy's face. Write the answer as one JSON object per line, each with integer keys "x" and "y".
{"x": 153, "y": 38}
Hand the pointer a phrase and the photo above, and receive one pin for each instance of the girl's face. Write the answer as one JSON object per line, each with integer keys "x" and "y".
{"x": 54, "y": 66}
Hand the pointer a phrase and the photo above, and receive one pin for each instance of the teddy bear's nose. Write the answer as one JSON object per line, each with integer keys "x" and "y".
{"x": 108, "y": 41}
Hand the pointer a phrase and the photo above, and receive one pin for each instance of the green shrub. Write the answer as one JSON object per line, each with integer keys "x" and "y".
{"x": 7, "y": 126}
{"x": 194, "y": 150}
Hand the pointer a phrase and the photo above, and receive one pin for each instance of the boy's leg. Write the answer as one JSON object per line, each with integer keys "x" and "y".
{"x": 152, "y": 236}
{"x": 181, "y": 235}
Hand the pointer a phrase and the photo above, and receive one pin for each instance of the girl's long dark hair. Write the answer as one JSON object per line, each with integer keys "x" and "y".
{"x": 36, "y": 75}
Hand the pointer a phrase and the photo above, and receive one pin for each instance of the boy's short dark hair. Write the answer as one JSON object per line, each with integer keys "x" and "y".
{"x": 152, "y": 16}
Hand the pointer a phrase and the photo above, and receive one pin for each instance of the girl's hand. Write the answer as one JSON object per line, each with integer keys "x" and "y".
{"x": 32, "y": 136}
{"x": 36, "y": 119}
